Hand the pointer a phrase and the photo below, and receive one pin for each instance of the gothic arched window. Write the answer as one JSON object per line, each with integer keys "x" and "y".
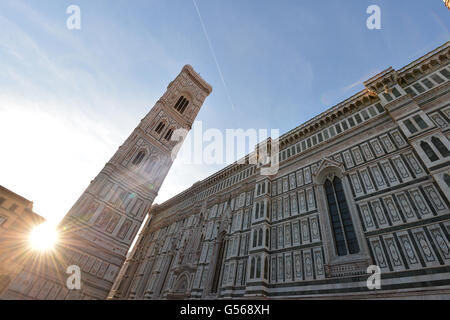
{"x": 428, "y": 151}
{"x": 260, "y": 237}
{"x": 266, "y": 268}
{"x": 168, "y": 134}
{"x": 440, "y": 146}
{"x": 258, "y": 268}
{"x": 138, "y": 159}
{"x": 252, "y": 268}
{"x": 341, "y": 221}
{"x": 160, "y": 127}
{"x": 218, "y": 264}
{"x": 181, "y": 104}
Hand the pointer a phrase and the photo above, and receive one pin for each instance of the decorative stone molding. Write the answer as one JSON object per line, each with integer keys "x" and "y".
{"x": 346, "y": 269}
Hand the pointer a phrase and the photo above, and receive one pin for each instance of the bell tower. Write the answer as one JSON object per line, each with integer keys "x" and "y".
{"x": 99, "y": 229}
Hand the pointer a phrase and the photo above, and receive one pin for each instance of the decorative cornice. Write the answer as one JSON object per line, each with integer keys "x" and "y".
{"x": 196, "y": 77}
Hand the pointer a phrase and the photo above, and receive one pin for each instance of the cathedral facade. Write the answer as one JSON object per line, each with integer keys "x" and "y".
{"x": 363, "y": 186}
{"x": 361, "y": 191}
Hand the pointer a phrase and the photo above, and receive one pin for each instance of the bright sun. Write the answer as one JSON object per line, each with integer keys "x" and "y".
{"x": 43, "y": 236}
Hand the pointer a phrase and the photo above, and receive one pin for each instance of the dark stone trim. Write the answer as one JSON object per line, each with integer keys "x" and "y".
{"x": 359, "y": 278}
{"x": 436, "y": 251}
{"x": 435, "y": 97}
{"x": 394, "y": 168}
{"x": 430, "y": 205}
{"x": 388, "y": 259}
{"x": 423, "y": 284}
{"x": 410, "y": 225}
{"x": 371, "y": 211}
{"x": 444, "y": 229}
{"x": 416, "y": 247}
{"x": 392, "y": 189}
{"x": 440, "y": 166}
{"x": 413, "y": 204}
{"x": 397, "y": 242}
{"x": 399, "y": 208}
{"x": 293, "y": 248}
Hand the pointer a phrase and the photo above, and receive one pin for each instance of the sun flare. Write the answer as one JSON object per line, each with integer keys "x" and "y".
{"x": 43, "y": 237}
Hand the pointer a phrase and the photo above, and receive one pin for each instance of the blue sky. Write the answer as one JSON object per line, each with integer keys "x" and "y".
{"x": 69, "y": 98}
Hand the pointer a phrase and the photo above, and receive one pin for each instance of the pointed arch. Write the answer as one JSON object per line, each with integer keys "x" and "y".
{"x": 342, "y": 229}
{"x": 138, "y": 158}
{"x": 169, "y": 133}
{"x": 160, "y": 127}
{"x": 429, "y": 151}
{"x": 252, "y": 268}
{"x": 440, "y": 146}
{"x": 181, "y": 104}
{"x": 260, "y": 237}
{"x": 258, "y": 267}
{"x": 328, "y": 168}
{"x": 341, "y": 221}
{"x": 182, "y": 284}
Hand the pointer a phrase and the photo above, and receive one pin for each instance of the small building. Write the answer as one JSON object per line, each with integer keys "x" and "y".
{"x": 17, "y": 219}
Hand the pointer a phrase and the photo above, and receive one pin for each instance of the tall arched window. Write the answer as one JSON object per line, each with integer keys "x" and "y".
{"x": 255, "y": 236}
{"x": 138, "y": 159}
{"x": 266, "y": 268}
{"x": 341, "y": 221}
{"x": 440, "y": 146}
{"x": 181, "y": 104}
{"x": 160, "y": 127}
{"x": 168, "y": 134}
{"x": 428, "y": 151}
{"x": 257, "y": 211}
{"x": 218, "y": 263}
{"x": 260, "y": 237}
{"x": 252, "y": 268}
{"x": 258, "y": 268}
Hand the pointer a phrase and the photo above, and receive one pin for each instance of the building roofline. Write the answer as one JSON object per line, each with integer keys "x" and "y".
{"x": 359, "y": 95}
{"x": 11, "y": 193}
